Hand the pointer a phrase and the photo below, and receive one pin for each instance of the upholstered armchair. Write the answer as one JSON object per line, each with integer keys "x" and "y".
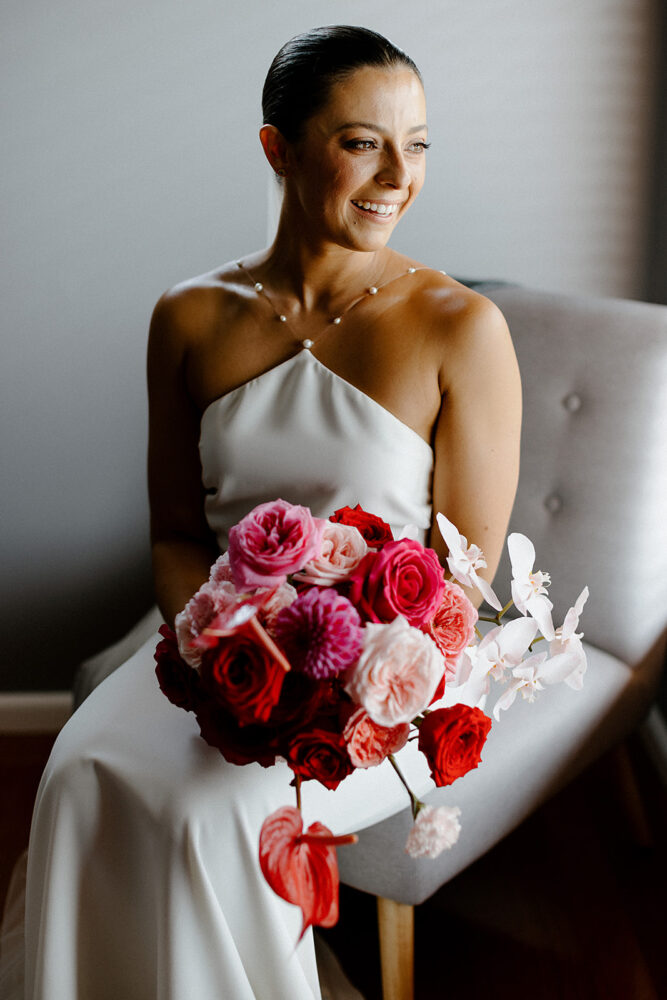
{"x": 592, "y": 497}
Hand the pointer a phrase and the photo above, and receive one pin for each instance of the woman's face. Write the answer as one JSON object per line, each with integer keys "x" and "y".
{"x": 361, "y": 160}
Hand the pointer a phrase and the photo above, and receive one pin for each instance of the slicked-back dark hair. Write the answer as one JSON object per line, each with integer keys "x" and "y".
{"x": 300, "y": 77}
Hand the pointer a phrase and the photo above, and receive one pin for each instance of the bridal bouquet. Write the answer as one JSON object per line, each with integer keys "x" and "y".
{"x": 329, "y": 643}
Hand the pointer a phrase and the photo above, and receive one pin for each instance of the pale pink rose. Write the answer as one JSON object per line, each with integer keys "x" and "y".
{"x": 279, "y": 599}
{"x": 343, "y": 548}
{"x": 367, "y": 743}
{"x": 397, "y": 673}
{"x": 198, "y": 614}
{"x": 435, "y": 830}
{"x": 273, "y": 540}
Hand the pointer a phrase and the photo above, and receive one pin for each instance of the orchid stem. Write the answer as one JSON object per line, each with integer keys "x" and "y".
{"x": 497, "y": 619}
{"x": 414, "y": 801}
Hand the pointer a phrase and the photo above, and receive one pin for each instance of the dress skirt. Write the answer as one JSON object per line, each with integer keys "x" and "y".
{"x": 143, "y": 875}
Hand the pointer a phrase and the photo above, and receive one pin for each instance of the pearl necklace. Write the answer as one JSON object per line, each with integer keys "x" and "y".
{"x": 335, "y": 320}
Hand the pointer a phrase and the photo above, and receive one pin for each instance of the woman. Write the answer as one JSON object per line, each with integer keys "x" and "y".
{"x": 327, "y": 370}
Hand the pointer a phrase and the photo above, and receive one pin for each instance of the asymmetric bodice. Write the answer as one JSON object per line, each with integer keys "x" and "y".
{"x": 301, "y": 433}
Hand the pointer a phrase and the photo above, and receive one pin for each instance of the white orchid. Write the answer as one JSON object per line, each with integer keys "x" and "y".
{"x": 566, "y": 650}
{"x": 529, "y": 589}
{"x": 529, "y": 678}
{"x": 464, "y": 560}
{"x": 499, "y": 652}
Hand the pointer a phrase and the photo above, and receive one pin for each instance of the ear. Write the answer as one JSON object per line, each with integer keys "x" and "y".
{"x": 275, "y": 148}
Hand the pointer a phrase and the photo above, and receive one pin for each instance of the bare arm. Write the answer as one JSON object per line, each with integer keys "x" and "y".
{"x": 477, "y": 435}
{"x": 183, "y": 547}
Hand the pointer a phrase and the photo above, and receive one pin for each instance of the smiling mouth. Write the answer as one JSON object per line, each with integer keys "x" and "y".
{"x": 377, "y": 208}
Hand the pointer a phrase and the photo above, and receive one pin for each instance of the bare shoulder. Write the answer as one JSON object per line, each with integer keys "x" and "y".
{"x": 466, "y": 330}
{"x": 193, "y": 310}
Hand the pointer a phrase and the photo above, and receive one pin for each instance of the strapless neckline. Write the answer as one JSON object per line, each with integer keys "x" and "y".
{"x": 306, "y": 356}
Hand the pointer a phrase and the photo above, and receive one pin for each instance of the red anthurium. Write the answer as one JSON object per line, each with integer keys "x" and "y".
{"x": 302, "y": 867}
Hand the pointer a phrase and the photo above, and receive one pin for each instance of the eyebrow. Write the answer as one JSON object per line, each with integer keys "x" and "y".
{"x": 377, "y": 128}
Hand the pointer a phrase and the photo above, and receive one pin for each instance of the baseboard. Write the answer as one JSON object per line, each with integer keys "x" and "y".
{"x": 34, "y": 711}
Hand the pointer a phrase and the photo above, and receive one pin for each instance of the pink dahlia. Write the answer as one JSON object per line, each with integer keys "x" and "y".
{"x": 320, "y": 633}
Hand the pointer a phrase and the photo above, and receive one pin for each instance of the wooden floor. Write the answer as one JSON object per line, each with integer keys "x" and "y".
{"x": 566, "y": 908}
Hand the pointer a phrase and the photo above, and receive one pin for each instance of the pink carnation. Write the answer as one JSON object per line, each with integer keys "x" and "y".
{"x": 198, "y": 614}
{"x": 343, "y": 548}
{"x": 273, "y": 540}
{"x": 320, "y": 633}
{"x": 221, "y": 571}
{"x": 435, "y": 830}
{"x": 396, "y": 674}
{"x": 367, "y": 743}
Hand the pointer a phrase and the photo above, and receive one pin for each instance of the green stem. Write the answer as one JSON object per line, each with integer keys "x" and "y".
{"x": 497, "y": 619}
{"x": 414, "y": 801}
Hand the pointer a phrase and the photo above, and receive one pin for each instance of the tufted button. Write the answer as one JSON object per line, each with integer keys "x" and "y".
{"x": 572, "y": 402}
{"x": 553, "y": 503}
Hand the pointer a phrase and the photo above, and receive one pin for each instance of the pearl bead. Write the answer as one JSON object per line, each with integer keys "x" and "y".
{"x": 258, "y": 286}
{"x": 372, "y": 290}
{"x": 283, "y": 319}
{"x": 336, "y": 320}
{"x": 307, "y": 344}
{"x": 411, "y": 270}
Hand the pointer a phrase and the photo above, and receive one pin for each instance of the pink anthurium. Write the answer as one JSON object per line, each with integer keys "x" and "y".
{"x": 302, "y": 867}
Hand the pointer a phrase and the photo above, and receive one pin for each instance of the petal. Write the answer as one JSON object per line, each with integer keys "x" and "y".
{"x": 516, "y": 636}
{"x": 455, "y": 543}
{"x": 300, "y": 868}
{"x": 506, "y": 699}
{"x": 540, "y": 607}
{"x": 486, "y": 591}
{"x": 522, "y": 554}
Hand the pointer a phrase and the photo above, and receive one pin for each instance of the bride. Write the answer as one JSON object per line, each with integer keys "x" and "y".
{"x": 328, "y": 370}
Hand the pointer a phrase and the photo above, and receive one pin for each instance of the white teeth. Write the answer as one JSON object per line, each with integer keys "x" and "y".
{"x": 378, "y": 209}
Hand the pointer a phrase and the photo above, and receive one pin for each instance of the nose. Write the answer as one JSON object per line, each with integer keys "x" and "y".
{"x": 394, "y": 170}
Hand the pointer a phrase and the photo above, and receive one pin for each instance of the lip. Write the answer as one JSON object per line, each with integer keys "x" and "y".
{"x": 373, "y": 216}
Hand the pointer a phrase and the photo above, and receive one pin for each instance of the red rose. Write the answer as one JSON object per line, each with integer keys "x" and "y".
{"x": 177, "y": 680}
{"x": 376, "y": 531}
{"x": 403, "y": 578}
{"x": 242, "y": 676}
{"x": 451, "y": 739}
{"x": 237, "y": 744}
{"x": 320, "y": 753}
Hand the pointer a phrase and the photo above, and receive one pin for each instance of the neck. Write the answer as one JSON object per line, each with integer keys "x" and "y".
{"x": 317, "y": 276}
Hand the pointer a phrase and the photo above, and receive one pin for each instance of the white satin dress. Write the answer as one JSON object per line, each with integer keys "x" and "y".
{"x": 143, "y": 876}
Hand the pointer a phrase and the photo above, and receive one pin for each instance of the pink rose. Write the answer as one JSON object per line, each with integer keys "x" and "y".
{"x": 435, "y": 830}
{"x": 396, "y": 674}
{"x": 403, "y": 578}
{"x": 343, "y": 548}
{"x": 452, "y": 629}
{"x": 198, "y": 614}
{"x": 274, "y": 539}
{"x": 367, "y": 743}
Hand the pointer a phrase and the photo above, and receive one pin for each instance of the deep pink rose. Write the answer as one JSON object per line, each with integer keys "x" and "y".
{"x": 403, "y": 578}
{"x": 368, "y": 743}
{"x": 273, "y": 540}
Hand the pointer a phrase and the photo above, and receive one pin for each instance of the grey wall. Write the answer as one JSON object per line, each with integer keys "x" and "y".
{"x": 131, "y": 161}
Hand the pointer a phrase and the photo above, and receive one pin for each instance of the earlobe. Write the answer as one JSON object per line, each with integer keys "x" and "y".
{"x": 275, "y": 148}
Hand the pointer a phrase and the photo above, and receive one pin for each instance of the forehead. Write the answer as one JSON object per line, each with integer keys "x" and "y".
{"x": 391, "y": 97}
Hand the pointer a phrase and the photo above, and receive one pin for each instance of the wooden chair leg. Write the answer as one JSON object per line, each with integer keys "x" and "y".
{"x": 396, "y": 926}
{"x": 631, "y": 797}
